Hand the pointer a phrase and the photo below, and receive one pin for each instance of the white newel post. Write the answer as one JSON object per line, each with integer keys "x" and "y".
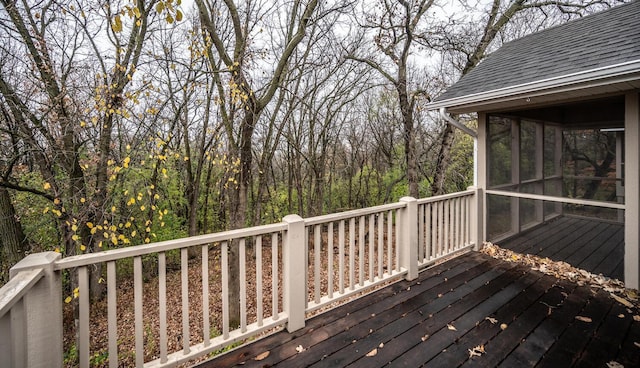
{"x": 409, "y": 237}
{"x": 477, "y": 216}
{"x": 42, "y": 312}
{"x": 294, "y": 272}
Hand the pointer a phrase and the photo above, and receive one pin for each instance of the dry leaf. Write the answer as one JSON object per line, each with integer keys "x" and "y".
{"x": 622, "y": 301}
{"x": 477, "y": 351}
{"x": 614, "y": 364}
{"x": 620, "y": 315}
{"x": 381, "y": 345}
{"x": 372, "y": 353}
{"x": 425, "y": 337}
{"x": 262, "y": 356}
{"x": 451, "y": 327}
{"x": 492, "y": 320}
{"x": 299, "y": 349}
{"x": 636, "y": 318}
{"x": 503, "y": 326}
{"x": 583, "y": 319}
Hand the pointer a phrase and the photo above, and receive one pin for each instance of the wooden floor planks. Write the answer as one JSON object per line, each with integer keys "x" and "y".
{"x": 594, "y": 245}
{"x": 434, "y": 321}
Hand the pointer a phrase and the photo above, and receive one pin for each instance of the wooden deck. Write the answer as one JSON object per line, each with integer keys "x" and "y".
{"x": 593, "y": 245}
{"x": 434, "y": 321}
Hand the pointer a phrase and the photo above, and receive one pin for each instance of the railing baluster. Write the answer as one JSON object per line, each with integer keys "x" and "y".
{"x": 112, "y": 317}
{"x": 205, "y": 295}
{"x": 361, "y": 250}
{"x": 352, "y": 252}
{"x": 330, "y": 260}
{"x": 274, "y": 276}
{"x": 389, "y": 242}
{"x": 398, "y": 228}
{"x": 184, "y": 269}
{"x": 440, "y": 228}
{"x": 83, "y": 296}
{"x": 380, "y": 243}
{"x": 341, "y": 256}
{"x": 259, "y": 310}
{"x": 243, "y": 285}
{"x": 162, "y": 298}
{"x": 428, "y": 231}
{"x": 421, "y": 240}
{"x": 225, "y": 290}
{"x": 447, "y": 228}
{"x": 372, "y": 235}
{"x": 317, "y": 238}
{"x": 137, "y": 302}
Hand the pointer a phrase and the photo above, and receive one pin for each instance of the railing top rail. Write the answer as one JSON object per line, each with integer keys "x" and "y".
{"x": 17, "y": 287}
{"x": 139, "y": 250}
{"x": 443, "y": 197}
{"x": 353, "y": 213}
{"x": 585, "y": 202}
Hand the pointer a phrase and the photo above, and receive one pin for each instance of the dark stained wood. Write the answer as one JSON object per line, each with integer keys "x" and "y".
{"x": 411, "y": 324}
{"x": 594, "y": 245}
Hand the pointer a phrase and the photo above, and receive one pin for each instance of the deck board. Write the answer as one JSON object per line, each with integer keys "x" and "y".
{"x": 590, "y": 244}
{"x": 407, "y": 323}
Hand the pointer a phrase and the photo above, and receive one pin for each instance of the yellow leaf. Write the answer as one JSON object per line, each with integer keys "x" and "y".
{"x": 160, "y": 7}
{"x": 90, "y": 225}
{"x": 136, "y": 12}
{"x": 262, "y": 356}
{"x": 372, "y": 353}
{"x": 133, "y": 233}
{"x": 116, "y": 26}
{"x": 56, "y": 201}
{"x": 75, "y": 237}
{"x": 76, "y": 292}
{"x": 178, "y": 15}
{"x": 169, "y": 18}
{"x": 114, "y": 240}
{"x": 46, "y": 209}
{"x": 68, "y": 300}
{"x": 82, "y": 200}
{"x": 83, "y": 247}
{"x": 47, "y": 186}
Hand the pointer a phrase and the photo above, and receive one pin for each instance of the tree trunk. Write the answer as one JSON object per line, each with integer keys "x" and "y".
{"x": 13, "y": 242}
{"x": 444, "y": 159}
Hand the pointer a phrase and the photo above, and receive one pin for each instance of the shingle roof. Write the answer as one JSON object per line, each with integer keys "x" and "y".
{"x": 603, "y": 39}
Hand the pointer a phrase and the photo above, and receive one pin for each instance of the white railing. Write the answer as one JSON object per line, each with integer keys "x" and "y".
{"x": 285, "y": 271}
{"x": 446, "y": 225}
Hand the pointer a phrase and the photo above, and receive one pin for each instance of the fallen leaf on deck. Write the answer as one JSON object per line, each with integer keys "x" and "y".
{"x": 636, "y": 318}
{"x": 381, "y": 345}
{"x": 299, "y": 349}
{"x": 503, "y": 326}
{"x": 451, "y": 327}
{"x": 622, "y": 301}
{"x": 492, "y": 320}
{"x": 477, "y": 351}
{"x": 620, "y": 315}
{"x": 637, "y": 344}
{"x": 583, "y": 319}
{"x": 372, "y": 353}
{"x": 262, "y": 356}
{"x": 614, "y": 364}
{"x": 425, "y": 337}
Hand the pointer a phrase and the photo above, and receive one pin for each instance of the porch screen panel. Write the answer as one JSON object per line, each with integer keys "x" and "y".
{"x": 500, "y": 151}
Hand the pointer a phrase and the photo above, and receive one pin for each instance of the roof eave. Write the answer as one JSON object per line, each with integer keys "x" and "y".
{"x": 524, "y": 94}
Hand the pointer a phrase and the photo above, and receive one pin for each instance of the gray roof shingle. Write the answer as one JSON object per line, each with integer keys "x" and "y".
{"x": 603, "y": 39}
